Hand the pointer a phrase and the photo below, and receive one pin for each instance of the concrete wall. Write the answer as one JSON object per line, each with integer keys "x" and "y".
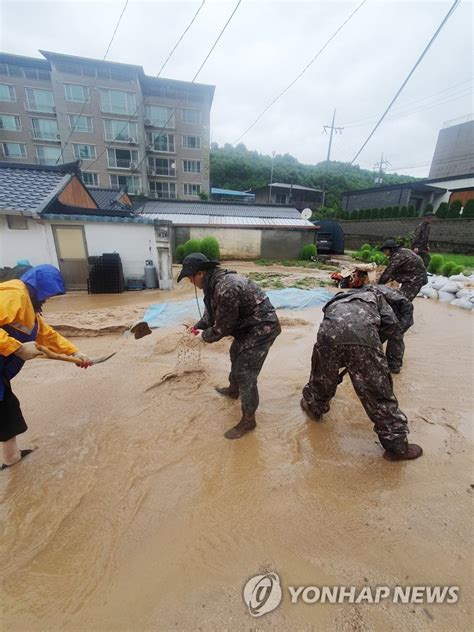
{"x": 234, "y": 243}
{"x": 448, "y": 235}
{"x": 288, "y": 245}
{"x": 131, "y": 241}
{"x": 454, "y": 152}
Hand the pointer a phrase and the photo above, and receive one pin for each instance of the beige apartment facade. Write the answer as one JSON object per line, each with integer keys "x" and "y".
{"x": 152, "y": 135}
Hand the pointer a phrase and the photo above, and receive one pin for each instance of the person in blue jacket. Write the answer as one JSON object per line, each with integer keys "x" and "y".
{"x": 21, "y": 327}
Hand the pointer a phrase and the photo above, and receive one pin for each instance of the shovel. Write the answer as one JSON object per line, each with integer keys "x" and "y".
{"x": 66, "y": 358}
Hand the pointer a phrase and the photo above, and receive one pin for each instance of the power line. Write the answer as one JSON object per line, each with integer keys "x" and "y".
{"x": 418, "y": 61}
{"x": 61, "y": 155}
{"x": 179, "y": 40}
{"x": 308, "y": 65}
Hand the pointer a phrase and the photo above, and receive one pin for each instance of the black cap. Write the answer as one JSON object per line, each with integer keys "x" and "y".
{"x": 196, "y": 262}
{"x": 428, "y": 214}
{"x": 389, "y": 244}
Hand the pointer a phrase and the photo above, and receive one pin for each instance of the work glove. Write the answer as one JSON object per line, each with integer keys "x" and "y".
{"x": 194, "y": 331}
{"x": 28, "y": 351}
{"x": 86, "y": 361}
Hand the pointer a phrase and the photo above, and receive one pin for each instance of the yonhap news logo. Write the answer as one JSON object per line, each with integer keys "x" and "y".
{"x": 262, "y": 594}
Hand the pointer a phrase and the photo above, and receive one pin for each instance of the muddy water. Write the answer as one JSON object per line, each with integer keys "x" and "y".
{"x": 136, "y": 514}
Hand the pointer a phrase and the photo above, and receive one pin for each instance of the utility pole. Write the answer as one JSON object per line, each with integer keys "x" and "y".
{"x": 333, "y": 129}
{"x": 271, "y": 178}
{"x": 380, "y": 165}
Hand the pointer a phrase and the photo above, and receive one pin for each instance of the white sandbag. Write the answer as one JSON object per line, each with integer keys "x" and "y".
{"x": 440, "y": 281}
{"x": 463, "y": 293}
{"x": 446, "y": 297}
{"x": 429, "y": 292}
{"x": 459, "y": 277}
{"x": 452, "y": 286}
{"x": 463, "y": 303}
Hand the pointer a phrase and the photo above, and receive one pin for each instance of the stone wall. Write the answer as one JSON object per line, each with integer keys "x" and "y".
{"x": 447, "y": 235}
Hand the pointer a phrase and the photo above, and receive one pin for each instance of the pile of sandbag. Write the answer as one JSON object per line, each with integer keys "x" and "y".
{"x": 457, "y": 290}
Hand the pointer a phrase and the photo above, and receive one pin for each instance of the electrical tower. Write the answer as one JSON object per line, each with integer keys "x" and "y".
{"x": 333, "y": 128}
{"x": 379, "y": 166}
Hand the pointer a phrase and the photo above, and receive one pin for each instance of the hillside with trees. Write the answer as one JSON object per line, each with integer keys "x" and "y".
{"x": 241, "y": 169}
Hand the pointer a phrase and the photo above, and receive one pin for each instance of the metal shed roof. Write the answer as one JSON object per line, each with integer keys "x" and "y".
{"x": 232, "y": 221}
{"x": 216, "y": 209}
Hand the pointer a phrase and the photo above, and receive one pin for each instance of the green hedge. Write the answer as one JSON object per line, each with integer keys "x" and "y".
{"x": 209, "y": 246}
{"x": 444, "y": 210}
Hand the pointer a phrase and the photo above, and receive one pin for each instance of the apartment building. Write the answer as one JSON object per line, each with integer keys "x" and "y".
{"x": 125, "y": 127}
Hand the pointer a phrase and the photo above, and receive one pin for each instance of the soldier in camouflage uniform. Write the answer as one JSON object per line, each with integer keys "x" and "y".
{"x": 403, "y": 310}
{"x": 350, "y": 336}
{"x": 404, "y": 266}
{"x": 421, "y": 238}
{"x": 235, "y": 306}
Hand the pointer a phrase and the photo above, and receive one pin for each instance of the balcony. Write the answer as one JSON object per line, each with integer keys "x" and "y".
{"x": 34, "y": 106}
{"x": 37, "y": 134}
{"x": 121, "y": 163}
{"x": 162, "y": 195}
{"x": 122, "y": 138}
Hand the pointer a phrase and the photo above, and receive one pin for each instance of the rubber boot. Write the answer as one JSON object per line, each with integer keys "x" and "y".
{"x": 394, "y": 369}
{"x": 305, "y": 407}
{"x": 246, "y": 424}
{"x": 229, "y": 391}
{"x": 413, "y": 451}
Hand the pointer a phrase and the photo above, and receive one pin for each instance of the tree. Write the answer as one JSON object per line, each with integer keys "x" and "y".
{"x": 468, "y": 211}
{"x": 442, "y": 211}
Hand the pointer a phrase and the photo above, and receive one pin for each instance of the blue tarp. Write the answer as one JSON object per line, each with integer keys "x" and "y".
{"x": 167, "y": 314}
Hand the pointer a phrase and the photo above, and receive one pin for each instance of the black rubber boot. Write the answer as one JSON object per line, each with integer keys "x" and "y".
{"x": 412, "y": 452}
{"x": 304, "y": 405}
{"x": 394, "y": 369}
{"x": 229, "y": 391}
{"x": 246, "y": 424}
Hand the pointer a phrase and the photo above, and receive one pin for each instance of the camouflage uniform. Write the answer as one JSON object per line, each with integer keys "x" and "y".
{"x": 403, "y": 310}
{"x": 421, "y": 241}
{"x": 236, "y": 306}
{"x": 407, "y": 268}
{"x": 350, "y": 336}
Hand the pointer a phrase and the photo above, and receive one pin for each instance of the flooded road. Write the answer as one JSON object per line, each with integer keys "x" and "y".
{"x": 136, "y": 514}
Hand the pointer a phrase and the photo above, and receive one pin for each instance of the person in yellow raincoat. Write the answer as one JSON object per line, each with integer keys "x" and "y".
{"x": 21, "y": 327}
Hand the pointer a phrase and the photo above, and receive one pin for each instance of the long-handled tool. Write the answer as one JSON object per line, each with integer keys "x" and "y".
{"x": 67, "y": 358}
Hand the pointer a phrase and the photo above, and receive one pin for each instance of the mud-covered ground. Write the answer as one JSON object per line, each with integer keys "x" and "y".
{"x": 135, "y": 513}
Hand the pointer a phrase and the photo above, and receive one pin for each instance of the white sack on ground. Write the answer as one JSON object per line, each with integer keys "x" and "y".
{"x": 463, "y": 303}
{"x": 439, "y": 282}
{"x": 446, "y": 297}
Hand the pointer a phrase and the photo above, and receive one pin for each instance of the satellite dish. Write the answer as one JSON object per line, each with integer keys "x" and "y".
{"x": 306, "y": 213}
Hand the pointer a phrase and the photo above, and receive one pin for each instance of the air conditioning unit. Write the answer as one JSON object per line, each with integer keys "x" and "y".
{"x": 133, "y": 166}
{"x": 149, "y": 147}
{"x": 131, "y": 139}
{"x": 54, "y": 109}
{"x": 58, "y": 136}
{"x": 147, "y": 121}
{"x": 151, "y": 172}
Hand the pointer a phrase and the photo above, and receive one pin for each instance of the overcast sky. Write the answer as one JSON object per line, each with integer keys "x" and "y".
{"x": 265, "y": 46}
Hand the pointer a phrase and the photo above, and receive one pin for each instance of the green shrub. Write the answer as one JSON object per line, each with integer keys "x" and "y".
{"x": 395, "y": 212}
{"x": 210, "y": 247}
{"x": 308, "y": 252}
{"x": 366, "y": 247}
{"x": 442, "y": 211}
{"x": 454, "y": 209}
{"x": 412, "y": 212}
{"x": 179, "y": 254}
{"x": 192, "y": 245}
{"x": 468, "y": 211}
{"x": 379, "y": 258}
{"x": 447, "y": 268}
{"x": 428, "y": 208}
{"x": 403, "y": 211}
{"x": 458, "y": 269}
{"x": 436, "y": 263}
{"x": 365, "y": 255}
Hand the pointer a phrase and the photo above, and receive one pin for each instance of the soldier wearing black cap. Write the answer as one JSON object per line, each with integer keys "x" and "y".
{"x": 404, "y": 266}
{"x": 237, "y": 307}
{"x": 421, "y": 238}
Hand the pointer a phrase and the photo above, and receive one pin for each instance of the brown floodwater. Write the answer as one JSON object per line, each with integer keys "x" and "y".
{"x": 135, "y": 513}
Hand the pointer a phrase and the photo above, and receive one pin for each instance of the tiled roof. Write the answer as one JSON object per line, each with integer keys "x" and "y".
{"x": 107, "y": 198}
{"x": 282, "y": 185}
{"x": 219, "y": 209}
{"x": 231, "y": 221}
{"x": 29, "y": 189}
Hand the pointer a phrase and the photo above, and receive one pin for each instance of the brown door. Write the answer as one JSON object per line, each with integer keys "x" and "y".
{"x": 72, "y": 255}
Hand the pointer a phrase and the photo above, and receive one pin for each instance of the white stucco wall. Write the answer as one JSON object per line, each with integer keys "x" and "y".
{"x": 35, "y": 244}
{"x": 134, "y": 242}
{"x": 235, "y": 243}
{"x": 449, "y": 185}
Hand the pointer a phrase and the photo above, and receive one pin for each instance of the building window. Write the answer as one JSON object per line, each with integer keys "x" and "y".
{"x": 192, "y": 166}
{"x": 7, "y": 93}
{"x": 132, "y": 182}
{"x": 163, "y": 190}
{"x": 10, "y": 122}
{"x": 191, "y": 189}
{"x": 162, "y": 167}
{"x": 80, "y": 123}
{"x": 75, "y": 93}
{"x": 281, "y": 198}
{"x": 48, "y": 155}
{"x": 14, "y": 150}
{"x": 17, "y": 222}
{"x": 117, "y": 130}
{"x": 44, "y": 129}
{"x": 118, "y": 102}
{"x": 90, "y": 178}
{"x": 192, "y": 142}
{"x": 39, "y": 100}
{"x": 84, "y": 152}
{"x": 159, "y": 116}
{"x": 122, "y": 158}
{"x": 193, "y": 117}
{"x": 160, "y": 142}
